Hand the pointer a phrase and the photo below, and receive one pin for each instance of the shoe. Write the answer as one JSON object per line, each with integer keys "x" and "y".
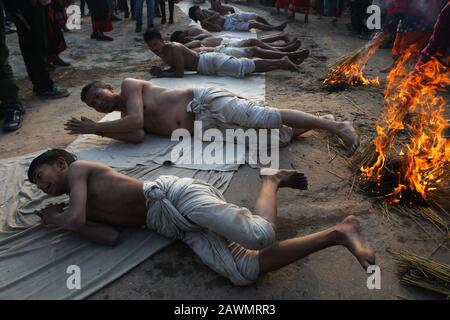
{"x": 170, "y": 20}
{"x": 93, "y": 36}
{"x": 103, "y": 37}
{"x": 54, "y": 93}
{"x": 13, "y": 118}
{"x": 150, "y": 26}
{"x": 126, "y": 15}
{"x": 163, "y": 21}
{"x": 138, "y": 28}
{"x": 60, "y": 62}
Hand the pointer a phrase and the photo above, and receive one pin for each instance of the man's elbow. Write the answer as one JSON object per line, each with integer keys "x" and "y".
{"x": 111, "y": 238}
{"x": 137, "y": 137}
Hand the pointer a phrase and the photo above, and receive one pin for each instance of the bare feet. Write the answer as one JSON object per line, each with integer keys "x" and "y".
{"x": 289, "y": 65}
{"x": 298, "y": 131}
{"x": 349, "y": 136}
{"x": 285, "y": 178}
{"x": 350, "y": 236}
{"x": 299, "y": 56}
{"x": 292, "y": 46}
{"x": 286, "y": 37}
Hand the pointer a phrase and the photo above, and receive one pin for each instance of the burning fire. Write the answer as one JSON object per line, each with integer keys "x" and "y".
{"x": 348, "y": 71}
{"x": 412, "y": 106}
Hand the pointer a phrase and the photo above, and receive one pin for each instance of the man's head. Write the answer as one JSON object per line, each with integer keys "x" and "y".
{"x": 154, "y": 40}
{"x": 100, "y": 96}
{"x": 49, "y": 171}
{"x": 195, "y": 13}
{"x": 179, "y": 36}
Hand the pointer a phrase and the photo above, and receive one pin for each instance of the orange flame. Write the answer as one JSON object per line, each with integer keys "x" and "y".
{"x": 411, "y": 103}
{"x": 350, "y": 71}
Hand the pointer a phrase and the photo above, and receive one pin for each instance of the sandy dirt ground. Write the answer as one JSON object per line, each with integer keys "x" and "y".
{"x": 176, "y": 273}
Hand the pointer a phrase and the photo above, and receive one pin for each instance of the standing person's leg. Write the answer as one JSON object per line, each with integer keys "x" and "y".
{"x": 31, "y": 29}
{"x": 138, "y": 7}
{"x": 158, "y": 10}
{"x": 150, "y": 13}
{"x": 132, "y": 6}
{"x": 10, "y": 107}
{"x": 171, "y": 10}
{"x": 162, "y": 6}
{"x": 82, "y": 7}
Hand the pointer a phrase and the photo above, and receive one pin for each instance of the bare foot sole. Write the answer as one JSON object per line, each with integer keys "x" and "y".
{"x": 300, "y": 56}
{"x": 298, "y": 132}
{"x": 290, "y": 65}
{"x": 350, "y": 230}
{"x": 285, "y": 178}
{"x": 349, "y": 136}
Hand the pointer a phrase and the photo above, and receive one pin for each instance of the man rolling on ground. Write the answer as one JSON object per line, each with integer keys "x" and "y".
{"x": 233, "y": 241}
{"x": 146, "y": 107}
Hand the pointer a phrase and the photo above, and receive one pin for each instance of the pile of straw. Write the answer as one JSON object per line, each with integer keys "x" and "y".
{"x": 418, "y": 271}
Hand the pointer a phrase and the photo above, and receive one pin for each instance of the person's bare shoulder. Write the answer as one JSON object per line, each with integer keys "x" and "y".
{"x": 82, "y": 168}
{"x": 131, "y": 85}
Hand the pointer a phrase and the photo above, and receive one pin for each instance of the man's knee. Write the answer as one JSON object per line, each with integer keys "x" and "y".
{"x": 261, "y": 235}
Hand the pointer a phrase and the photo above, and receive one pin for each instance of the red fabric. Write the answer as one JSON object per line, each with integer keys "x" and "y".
{"x": 102, "y": 26}
{"x": 412, "y": 38}
{"x": 282, "y": 3}
{"x": 300, "y": 5}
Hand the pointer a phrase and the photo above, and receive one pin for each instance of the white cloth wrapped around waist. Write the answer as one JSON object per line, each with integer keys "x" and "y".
{"x": 234, "y": 51}
{"x": 221, "y": 109}
{"x": 215, "y": 63}
{"x": 223, "y": 235}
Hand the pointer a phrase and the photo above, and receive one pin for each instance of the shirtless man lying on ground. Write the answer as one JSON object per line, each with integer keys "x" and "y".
{"x": 241, "y": 21}
{"x": 146, "y": 107}
{"x": 196, "y": 33}
{"x": 218, "y": 7}
{"x": 209, "y": 40}
{"x": 181, "y": 58}
{"x": 233, "y": 241}
{"x": 238, "y": 48}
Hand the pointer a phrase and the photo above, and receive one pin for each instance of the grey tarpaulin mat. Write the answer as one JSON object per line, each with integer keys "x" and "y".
{"x": 34, "y": 259}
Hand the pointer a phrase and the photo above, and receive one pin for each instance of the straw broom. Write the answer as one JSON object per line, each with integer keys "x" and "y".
{"x": 421, "y": 272}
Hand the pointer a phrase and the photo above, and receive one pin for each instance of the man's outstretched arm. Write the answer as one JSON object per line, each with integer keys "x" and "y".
{"x": 177, "y": 68}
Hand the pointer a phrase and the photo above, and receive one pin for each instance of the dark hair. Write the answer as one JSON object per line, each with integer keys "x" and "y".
{"x": 152, "y": 34}
{"x": 49, "y": 157}
{"x": 93, "y": 84}
{"x": 192, "y": 12}
{"x": 177, "y": 36}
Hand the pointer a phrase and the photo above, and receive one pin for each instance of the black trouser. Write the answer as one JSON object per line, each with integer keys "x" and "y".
{"x": 82, "y": 6}
{"x": 123, "y": 6}
{"x": 8, "y": 85}
{"x": 31, "y": 29}
{"x": 162, "y": 5}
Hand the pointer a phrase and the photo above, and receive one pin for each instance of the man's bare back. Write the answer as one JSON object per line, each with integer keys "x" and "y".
{"x": 112, "y": 198}
{"x": 165, "y": 109}
{"x": 174, "y": 52}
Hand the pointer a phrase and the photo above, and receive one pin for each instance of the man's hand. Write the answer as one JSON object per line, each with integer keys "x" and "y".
{"x": 156, "y": 71}
{"x": 47, "y": 214}
{"x": 83, "y": 126}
